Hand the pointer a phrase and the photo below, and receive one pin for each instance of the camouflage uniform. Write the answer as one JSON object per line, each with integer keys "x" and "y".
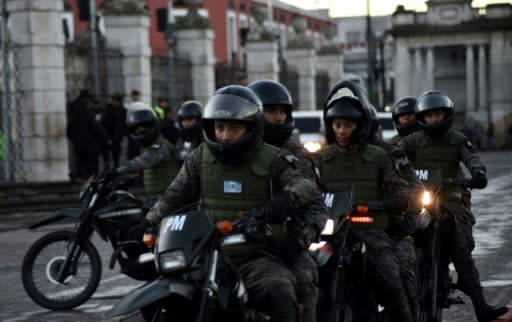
{"x": 304, "y": 267}
{"x": 395, "y": 139}
{"x": 402, "y": 226}
{"x": 458, "y": 220}
{"x": 159, "y": 166}
{"x": 268, "y": 280}
{"x": 335, "y": 169}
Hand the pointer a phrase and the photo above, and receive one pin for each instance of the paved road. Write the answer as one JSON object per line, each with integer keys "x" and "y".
{"x": 493, "y": 255}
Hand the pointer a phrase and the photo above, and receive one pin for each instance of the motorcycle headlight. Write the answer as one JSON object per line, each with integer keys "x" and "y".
{"x": 426, "y": 199}
{"x": 312, "y": 147}
{"x": 172, "y": 261}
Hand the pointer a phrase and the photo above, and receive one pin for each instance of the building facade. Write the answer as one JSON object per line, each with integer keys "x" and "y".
{"x": 463, "y": 51}
{"x": 230, "y": 20}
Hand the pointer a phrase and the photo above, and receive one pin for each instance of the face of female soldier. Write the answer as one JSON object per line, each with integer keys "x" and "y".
{"x": 434, "y": 116}
{"x": 229, "y": 131}
{"x": 188, "y": 122}
{"x": 343, "y": 128}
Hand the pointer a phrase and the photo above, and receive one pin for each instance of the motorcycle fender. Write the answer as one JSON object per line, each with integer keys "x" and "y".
{"x": 150, "y": 293}
{"x": 68, "y": 213}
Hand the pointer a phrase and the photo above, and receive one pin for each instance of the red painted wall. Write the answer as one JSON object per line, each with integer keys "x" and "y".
{"x": 217, "y": 10}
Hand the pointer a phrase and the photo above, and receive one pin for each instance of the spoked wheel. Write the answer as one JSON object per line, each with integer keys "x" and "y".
{"x": 44, "y": 261}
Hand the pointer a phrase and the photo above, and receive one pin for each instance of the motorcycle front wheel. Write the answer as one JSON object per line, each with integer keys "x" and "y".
{"x": 43, "y": 262}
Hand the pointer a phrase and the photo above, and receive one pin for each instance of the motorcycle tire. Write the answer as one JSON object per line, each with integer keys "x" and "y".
{"x": 47, "y": 254}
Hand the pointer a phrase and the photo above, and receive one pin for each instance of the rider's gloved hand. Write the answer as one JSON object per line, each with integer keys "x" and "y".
{"x": 479, "y": 180}
{"x": 110, "y": 175}
{"x": 396, "y": 205}
{"x": 277, "y": 209}
{"x": 154, "y": 217}
{"x": 287, "y": 249}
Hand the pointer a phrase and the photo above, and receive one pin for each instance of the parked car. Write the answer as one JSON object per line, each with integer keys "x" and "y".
{"x": 387, "y": 126}
{"x": 310, "y": 128}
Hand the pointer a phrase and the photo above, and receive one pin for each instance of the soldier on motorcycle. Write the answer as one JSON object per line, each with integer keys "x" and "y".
{"x": 437, "y": 145}
{"x": 400, "y": 226}
{"x": 190, "y": 129}
{"x": 277, "y": 130}
{"x": 235, "y": 171}
{"x": 157, "y": 162}
{"x": 371, "y": 172}
{"x": 404, "y": 118}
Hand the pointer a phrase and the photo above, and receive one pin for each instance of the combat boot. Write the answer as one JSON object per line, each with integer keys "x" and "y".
{"x": 485, "y": 312}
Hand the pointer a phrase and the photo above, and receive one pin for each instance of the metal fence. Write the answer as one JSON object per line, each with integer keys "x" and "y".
{"x": 289, "y": 77}
{"x": 321, "y": 88}
{"x": 226, "y": 74}
{"x": 11, "y": 136}
{"x": 80, "y": 74}
{"x": 173, "y": 81}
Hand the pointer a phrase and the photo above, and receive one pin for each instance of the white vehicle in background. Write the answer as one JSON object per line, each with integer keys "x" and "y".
{"x": 310, "y": 128}
{"x": 387, "y": 127}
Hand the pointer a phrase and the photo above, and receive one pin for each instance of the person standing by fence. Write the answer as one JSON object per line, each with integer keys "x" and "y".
{"x": 114, "y": 122}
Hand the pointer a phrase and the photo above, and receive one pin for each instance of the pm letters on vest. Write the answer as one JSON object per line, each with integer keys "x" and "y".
{"x": 422, "y": 174}
{"x": 328, "y": 199}
{"x": 175, "y": 223}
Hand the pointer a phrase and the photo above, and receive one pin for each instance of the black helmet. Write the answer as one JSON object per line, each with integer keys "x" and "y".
{"x": 354, "y": 93}
{"x": 190, "y": 109}
{"x": 402, "y": 106}
{"x": 374, "y": 121}
{"x": 145, "y": 118}
{"x": 349, "y": 107}
{"x": 273, "y": 93}
{"x": 430, "y": 101}
{"x": 233, "y": 103}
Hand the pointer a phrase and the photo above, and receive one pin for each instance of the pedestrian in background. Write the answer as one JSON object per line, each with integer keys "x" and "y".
{"x": 510, "y": 136}
{"x": 72, "y": 111}
{"x": 161, "y": 106}
{"x": 114, "y": 122}
{"x": 88, "y": 137}
{"x": 491, "y": 140}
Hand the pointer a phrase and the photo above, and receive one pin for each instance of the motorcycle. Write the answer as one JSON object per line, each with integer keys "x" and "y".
{"x": 436, "y": 284}
{"x": 62, "y": 269}
{"x": 346, "y": 294}
{"x": 196, "y": 282}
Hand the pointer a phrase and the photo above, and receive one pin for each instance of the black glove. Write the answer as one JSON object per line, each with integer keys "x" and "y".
{"x": 277, "y": 209}
{"x": 478, "y": 181}
{"x": 287, "y": 249}
{"x": 110, "y": 175}
{"x": 396, "y": 205}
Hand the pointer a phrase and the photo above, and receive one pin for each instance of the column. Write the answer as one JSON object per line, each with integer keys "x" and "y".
{"x": 197, "y": 46}
{"x": 262, "y": 60}
{"x": 132, "y": 33}
{"x": 402, "y": 67}
{"x": 470, "y": 79}
{"x": 36, "y": 29}
{"x": 332, "y": 63}
{"x": 430, "y": 69}
{"x": 418, "y": 77}
{"x": 482, "y": 78}
{"x": 304, "y": 61}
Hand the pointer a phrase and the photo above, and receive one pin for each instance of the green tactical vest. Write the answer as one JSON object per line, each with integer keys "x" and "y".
{"x": 395, "y": 139}
{"x": 361, "y": 170}
{"x": 159, "y": 177}
{"x": 229, "y": 189}
{"x": 443, "y": 154}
